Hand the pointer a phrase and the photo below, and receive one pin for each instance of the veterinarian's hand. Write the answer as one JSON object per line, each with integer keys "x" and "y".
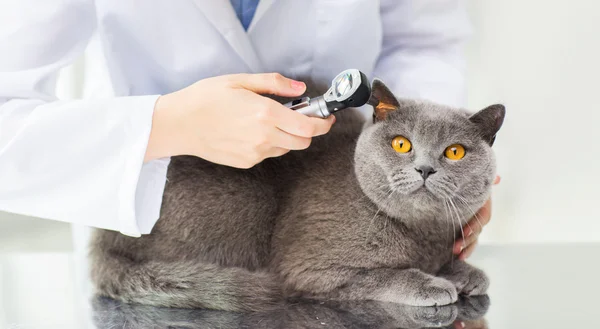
{"x": 465, "y": 247}
{"x": 225, "y": 120}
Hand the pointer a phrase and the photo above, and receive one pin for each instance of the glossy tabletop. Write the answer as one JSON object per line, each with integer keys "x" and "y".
{"x": 542, "y": 286}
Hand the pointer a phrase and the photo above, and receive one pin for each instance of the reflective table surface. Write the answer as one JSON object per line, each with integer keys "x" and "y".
{"x": 542, "y": 286}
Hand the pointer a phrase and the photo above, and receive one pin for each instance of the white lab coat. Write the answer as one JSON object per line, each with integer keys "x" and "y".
{"x": 82, "y": 161}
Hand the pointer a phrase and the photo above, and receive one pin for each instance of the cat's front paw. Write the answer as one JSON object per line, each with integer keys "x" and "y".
{"x": 437, "y": 291}
{"x": 478, "y": 284}
{"x": 415, "y": 288}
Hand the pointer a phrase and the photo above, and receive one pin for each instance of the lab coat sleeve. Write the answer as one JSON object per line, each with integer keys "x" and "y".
{"x": 422, "y": 49}
{"x": 77, "y": 161}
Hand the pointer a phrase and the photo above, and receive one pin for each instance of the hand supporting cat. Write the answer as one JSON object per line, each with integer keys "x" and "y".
{"x": 465, "y": 246}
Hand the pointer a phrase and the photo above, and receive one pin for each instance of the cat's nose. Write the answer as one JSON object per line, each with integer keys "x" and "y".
{"x": 425, "y": 171}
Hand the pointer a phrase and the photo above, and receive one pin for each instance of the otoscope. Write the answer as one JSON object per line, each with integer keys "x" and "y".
{"x": 348, "y": 89}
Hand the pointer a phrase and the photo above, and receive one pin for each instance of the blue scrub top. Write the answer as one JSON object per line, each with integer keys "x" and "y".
{"x": 245, "y": 10}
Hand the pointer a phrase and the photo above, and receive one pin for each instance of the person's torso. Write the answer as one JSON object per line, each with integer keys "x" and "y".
{"x": 154, "y": 47}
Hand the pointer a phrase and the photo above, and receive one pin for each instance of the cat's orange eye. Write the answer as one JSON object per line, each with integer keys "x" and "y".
{"x": 401, "y": 144}
{"x": 455, "y": 152}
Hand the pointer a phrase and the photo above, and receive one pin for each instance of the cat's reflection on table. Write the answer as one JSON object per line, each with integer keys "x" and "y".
{"x": 467, "y": 313}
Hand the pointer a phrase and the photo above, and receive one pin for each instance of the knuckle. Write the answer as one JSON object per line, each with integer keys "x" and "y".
{"x": 276, "y": 77}
{"x": 264, "y": 114}
{"x": 233, "y": 79}
{"x": 275, "y": 81}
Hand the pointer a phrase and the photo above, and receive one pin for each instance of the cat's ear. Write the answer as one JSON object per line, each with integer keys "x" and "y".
{"x": 382, "y": 100}
{"x": 489, "y": 120}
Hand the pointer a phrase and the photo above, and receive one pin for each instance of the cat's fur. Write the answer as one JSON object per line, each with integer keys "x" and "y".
{"x": 349, "y": 219}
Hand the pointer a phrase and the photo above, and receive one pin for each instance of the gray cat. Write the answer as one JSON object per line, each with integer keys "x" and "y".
{"x": 363, "y": 214}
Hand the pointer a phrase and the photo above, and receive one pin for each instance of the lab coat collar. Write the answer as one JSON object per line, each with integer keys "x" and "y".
{"x": 222, "y": 16}
{"x": 263, "y": 6}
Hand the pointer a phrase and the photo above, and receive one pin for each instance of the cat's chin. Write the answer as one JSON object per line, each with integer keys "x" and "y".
{"x": 418, "y": 203}
{"x": 423, "y": 192}
{"x": 425, "y": 195}
{"x": 436, "y": 195}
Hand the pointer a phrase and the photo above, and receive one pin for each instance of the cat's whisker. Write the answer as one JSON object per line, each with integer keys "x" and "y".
{"x": 447, "y": 199}
{"x": 386, "y": 184}
{"x": 448, "y": 183}
{"x": 469, "y": 225}
{"x": 391, "y": 192}
{"x": 447, "y": 222}
{"x": 399, "y": 180}
{"x": 457, "y": 211}
{"x": 474, "y": 214}
{"x": 447, "y": 186}
{"x": 471, "y": 209}
{"x": 371, "y": 224}
{"x": 470, "y": 228}
{"x": 379, "y": 209}
{"x": 458, "y": 215}
{"x": 364, "y": 195}
{"x": 447, "y": 211}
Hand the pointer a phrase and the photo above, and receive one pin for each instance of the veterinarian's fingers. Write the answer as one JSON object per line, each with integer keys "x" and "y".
{"x": 280, "y": 138}
{"x": 485, "y": 213}
{"x": 474, "y": 227}
{"x": 477, "y": 222}
{"x": 461, "y": 244}
{"x": 458, "y": 247}
{"x": 467, "y": 252}
{"x": 497, "y": 180}
{"x": 298, "y": 124}
{"x": 470, "y": 240}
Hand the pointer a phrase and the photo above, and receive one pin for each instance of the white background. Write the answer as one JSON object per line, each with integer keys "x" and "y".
{"x": 539, "y": 58}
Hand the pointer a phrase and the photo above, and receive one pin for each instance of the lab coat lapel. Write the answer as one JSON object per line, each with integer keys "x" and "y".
{"x": 222, "y": 16}
{"x": 263, "y": 6}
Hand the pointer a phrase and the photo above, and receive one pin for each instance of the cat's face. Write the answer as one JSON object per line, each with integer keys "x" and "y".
{"x": 420, "y": 160}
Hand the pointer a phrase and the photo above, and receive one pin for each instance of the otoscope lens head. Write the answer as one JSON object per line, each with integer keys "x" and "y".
{"x": 343, "y": 84}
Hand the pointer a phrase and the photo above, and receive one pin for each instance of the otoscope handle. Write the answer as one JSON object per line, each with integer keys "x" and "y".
{"x": 312, "y": 107}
